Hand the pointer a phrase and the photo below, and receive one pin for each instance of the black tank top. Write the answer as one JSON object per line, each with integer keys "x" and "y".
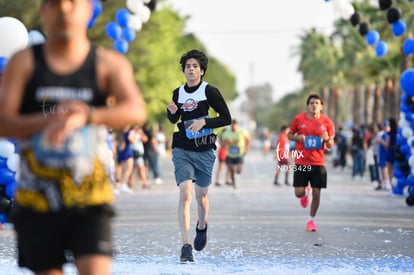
{"x": 46, "y": 88}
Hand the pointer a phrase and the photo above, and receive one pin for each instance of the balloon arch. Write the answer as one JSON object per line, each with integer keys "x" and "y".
{"x": 404, "y": 161}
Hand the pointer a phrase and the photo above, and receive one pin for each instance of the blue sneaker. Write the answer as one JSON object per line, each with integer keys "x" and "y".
{"x": 200, "y": 240}
{"x": 186, "y": 253}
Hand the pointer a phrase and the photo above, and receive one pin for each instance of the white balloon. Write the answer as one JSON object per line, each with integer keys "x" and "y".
{"x": 6, "y": 148}
{"x": 347, "y": 11}
{"x": 402, "y": 122}
{"x": 134, "y": 5}
{"x": 13, "y": 162}
{"x": 144, "y": 14}
{"x": 407, "y": 132}
{"x": 405, "y": 190}
{"x": 36, "y": 37}
{"x": 411, "y": 161}
{"x": 410, "y": 141}
{"x": 135, "y": 22}
{"x": 13, "y": 35}
{"x": 337, "y": 4}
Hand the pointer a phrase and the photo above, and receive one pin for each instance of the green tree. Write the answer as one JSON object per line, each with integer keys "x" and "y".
{"x": 154, "y": 53}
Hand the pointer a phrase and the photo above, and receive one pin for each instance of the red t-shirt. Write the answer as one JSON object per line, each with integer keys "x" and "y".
{"x": 282, "y": 147}
{"x": 312, "y": 129}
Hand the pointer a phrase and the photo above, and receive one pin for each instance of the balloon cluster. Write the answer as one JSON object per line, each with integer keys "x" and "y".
{"x": 404, "y": 165}
{"x": 405, "y": 154}
{"x": 128, "y": 22}
{"x": 372, "y": 37}
{"x": 344, "y": 9}
{"x": 393, "y": 17}
{"x": 9, "y": 163}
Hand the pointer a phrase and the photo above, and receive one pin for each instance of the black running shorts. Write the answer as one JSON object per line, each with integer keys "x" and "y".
{"x": 305, "y": 174}
{"x": 43, "y": 240}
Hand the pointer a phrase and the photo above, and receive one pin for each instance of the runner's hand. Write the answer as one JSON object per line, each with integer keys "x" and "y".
{"x": 73, "y": 115}
{"x": 172, "y": 108}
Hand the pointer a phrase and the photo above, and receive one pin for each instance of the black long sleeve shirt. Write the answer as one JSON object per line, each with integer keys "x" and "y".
{"x": 196, "y": 103}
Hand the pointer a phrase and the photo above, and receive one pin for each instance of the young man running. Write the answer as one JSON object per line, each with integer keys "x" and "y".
{"x": 193, "y": 145}
{"x": 313, "y": 133}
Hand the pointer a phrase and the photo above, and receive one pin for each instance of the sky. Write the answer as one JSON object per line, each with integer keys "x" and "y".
{"x": 257, "y": 39}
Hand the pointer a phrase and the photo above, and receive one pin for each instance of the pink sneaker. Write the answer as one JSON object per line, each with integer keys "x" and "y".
{"x": 311, "y": 227}
{"x": 304, "y": 201}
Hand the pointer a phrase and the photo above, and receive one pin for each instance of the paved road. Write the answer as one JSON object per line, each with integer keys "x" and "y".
{"x": 261, "y": 227}
{"x": 263, "y": 219}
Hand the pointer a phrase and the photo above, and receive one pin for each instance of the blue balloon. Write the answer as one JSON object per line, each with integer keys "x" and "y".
{"x": 3, "y": 162}
{"x": 3, "y": 63}
{"x": 401, "y": 140}
{"x": 97, "y": 9}
{"x": 128, "y": 34}
{"x": 121, "y": 46}
{"x": 408, "y": 46}
{"x": 410, "y": 180}
{"x": 398, "y": 28}
{"x": 398, "y": 190}
{"x": 10, "y": 189}
{"x": 407, "y": 82}
{"x": 113, "y": 30}
{"x": 405, "y": 149}
{"x": 398, "y": 173}
{"x": 407, "y": 115}
{"x": 122, "y": 17}
{"x": 372, "y": 37}
{"x": 401, "y": 182}
{"x": 405, "y": 109}
{"x": 6, "y": 176}
{"x": 3, "y": 217}
{"x": 381, "y": 49}
{"x": 91, "y": 23}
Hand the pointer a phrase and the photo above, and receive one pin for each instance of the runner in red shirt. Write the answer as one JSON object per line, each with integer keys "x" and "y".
{"x": 282, "y": 155}
{"x": 313, "y": 132}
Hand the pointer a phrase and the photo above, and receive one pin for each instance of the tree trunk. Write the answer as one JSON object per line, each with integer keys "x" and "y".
{"x": 394, "y": 99}
{"x": 323, "y": 96}
{"x": 387, "y": 98}
{"x": 377, "y": 110}
{"x": 335, "y": 104}
{"x": 367, "y": 110}
{"x": 356, "y": 108}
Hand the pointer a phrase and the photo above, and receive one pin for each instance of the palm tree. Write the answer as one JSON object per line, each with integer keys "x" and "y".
{"x": 318, "y": 65}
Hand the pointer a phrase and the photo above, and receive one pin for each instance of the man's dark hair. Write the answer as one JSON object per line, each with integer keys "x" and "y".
{"x": 313, "y": 96}
{"x": 197, "y": 55}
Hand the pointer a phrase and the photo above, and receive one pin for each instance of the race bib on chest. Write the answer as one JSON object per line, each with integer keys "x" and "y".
{"x": 313, "y": 142}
